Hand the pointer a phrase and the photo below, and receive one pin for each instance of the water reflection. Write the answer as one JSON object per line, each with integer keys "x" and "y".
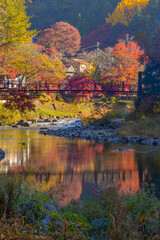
{"x": 73, "y": 167}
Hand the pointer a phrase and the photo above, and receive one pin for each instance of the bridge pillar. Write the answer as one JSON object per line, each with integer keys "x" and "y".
{"x": 139, "y": 84}
{"x": 71, "y": 87}
{"x": 59, "y": 88}
{"x": 36, "y": 88}
{"x": 48, "y": 88}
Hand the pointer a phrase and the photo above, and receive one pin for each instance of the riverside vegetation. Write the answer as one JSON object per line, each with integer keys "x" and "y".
{"x": 112, "y": 215}
{"x": 140, "y": 119}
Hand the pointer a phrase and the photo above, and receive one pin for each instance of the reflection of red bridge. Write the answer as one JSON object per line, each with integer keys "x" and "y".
{"x": 86, "y": 176}
{"x": 91, "y": 87}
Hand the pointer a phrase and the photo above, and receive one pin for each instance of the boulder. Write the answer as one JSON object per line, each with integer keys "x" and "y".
{"x": 54, "y": 120}
{"x": 25, "y": 124}
{"x": 2, "y": 152}
{"x": 20, "y": 122}
{"x": 148, "y": 141}
{"x": 47, "y": 120}
{"x": 14, "y": 126}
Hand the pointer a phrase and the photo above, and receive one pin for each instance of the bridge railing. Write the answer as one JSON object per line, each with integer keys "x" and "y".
{"x": 73, "y": 88}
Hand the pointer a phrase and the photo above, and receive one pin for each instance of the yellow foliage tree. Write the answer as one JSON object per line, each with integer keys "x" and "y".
{"x": 125, "y": 11}
{"x": 34, "y": 66}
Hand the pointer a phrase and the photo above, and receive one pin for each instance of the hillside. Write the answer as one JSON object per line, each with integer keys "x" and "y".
{"x": 82, "y": 14}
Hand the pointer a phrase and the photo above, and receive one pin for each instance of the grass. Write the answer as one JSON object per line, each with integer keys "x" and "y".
{"x": 146, "y": 127}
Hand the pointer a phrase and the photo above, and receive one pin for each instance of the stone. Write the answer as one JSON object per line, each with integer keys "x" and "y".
{"x": 148, "y": 141}
{"x": 20, "y": 122}
{"x": 2, "y": 152}
{"x": 47, "y": 120}
{"x": 54, "y": 120}
{"x": 50, "y": 207}
{"x": 25, "y": 124}
{"x": 14, "y": 126}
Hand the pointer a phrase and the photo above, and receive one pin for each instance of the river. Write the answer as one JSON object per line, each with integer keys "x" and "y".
{"x": 75, "y": 168}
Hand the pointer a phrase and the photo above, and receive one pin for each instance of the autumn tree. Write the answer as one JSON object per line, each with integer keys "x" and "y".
{"x": 125, "y": 11}
{"x": 102, "y": 34}
{"x": 63, "y": 37}
{"x": 80, "y": 83}
{"x": 127, "y": 62}
{"x": 29, "y": 61}
{"x": 14, "y": 29}
{"x": 20, "y": 101}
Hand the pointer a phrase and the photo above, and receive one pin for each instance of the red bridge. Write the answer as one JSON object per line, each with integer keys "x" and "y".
{"x": 77, "y": 88}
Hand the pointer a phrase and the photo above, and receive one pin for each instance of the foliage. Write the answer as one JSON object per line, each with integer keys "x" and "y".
{"x": 20, "y": 101}
{"x": 29, "y": 61}
{"x": 102, "y": 34}
{"x": 14, "y": 23}
{"x": 112, "y": 215}
{"x": 10, "y": 190}
{"x": 125, "y": 11}
{"x": 76, "y": 225}
{"x": 8, "y": 116}
{"x": 83, "y": 15}
{"x": 81, "y": 83}
{"x": 16, "y": 228}
{"x": 120, "y": 215}
{"x": 63, "y": 37}
{"x": 144, "y": 126}
{"x": 127, "y": 61}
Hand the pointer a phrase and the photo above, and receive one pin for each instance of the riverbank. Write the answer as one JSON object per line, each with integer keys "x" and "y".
{"x": 28, "y": 212}
{"x": 73, "y": 128}
{"x": 98, "y": 133}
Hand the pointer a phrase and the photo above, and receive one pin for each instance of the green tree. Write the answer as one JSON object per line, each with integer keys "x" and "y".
{"x": 14, "y": 23}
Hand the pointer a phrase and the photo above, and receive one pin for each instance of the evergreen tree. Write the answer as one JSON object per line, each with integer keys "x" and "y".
{"x": 14, "y": 23}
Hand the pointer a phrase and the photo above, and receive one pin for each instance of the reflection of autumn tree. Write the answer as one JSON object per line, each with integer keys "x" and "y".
{"x": 121, "y": 169}
{"x": 67, "y": 190}
{"x": 63, "y": 164}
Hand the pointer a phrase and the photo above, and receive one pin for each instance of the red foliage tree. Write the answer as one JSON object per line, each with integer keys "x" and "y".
{"x": 18, "y": 100}
{"x": 63, "y": 37}
{"x": 104, "y": 34}
{"x": 127, "y": 62}
{"x": 83, "y": 83}
{"x": 67, "y": 38}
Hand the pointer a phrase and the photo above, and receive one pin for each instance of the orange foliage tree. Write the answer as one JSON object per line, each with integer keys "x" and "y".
{"x": 63, "y": 37}
{"x": 128, "y": 61}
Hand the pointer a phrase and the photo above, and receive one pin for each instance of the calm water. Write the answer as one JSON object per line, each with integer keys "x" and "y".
{"x": 77, "y": 167}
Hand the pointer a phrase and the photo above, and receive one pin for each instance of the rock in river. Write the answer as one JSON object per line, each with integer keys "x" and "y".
{"x": 2, "y": 154}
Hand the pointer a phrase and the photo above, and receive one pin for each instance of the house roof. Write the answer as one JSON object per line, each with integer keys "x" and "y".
{"x": 81, "y": 61}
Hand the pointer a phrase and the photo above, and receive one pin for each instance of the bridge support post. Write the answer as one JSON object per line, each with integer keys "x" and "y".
{"x": 139, "y": 84}
{"x": 71, "y": 87}
{"x": 48, "y": 88}
{"x": 36, "y": 87}
{"x": 59, "y": 88}
{"x": 106, "y": 88}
